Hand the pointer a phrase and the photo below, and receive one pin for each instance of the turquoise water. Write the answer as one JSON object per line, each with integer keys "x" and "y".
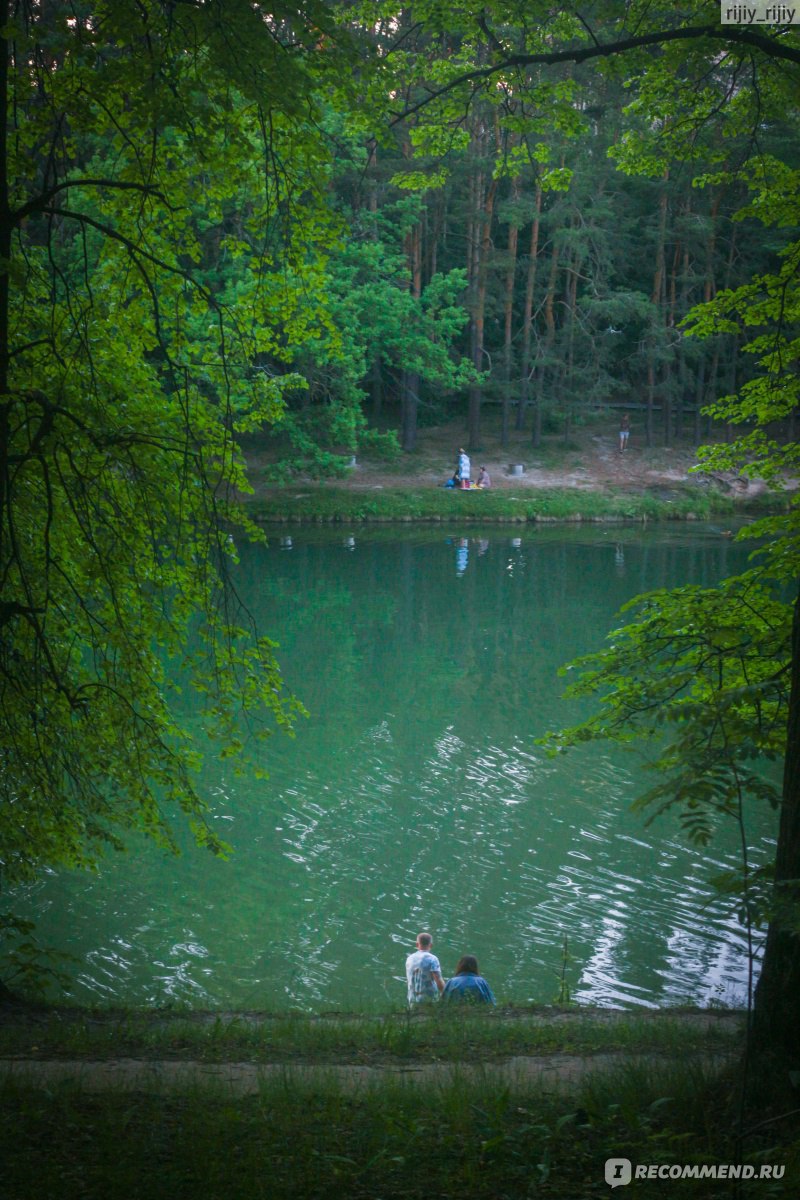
{"x": 414, "y": 796}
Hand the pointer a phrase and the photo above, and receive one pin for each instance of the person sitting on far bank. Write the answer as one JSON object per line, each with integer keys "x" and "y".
{"x": 468, "y": 984}
{"x": 423, "y": 972}
{"x": 483, "y": 478}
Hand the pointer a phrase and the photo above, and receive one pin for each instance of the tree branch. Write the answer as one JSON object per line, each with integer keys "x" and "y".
{"x": 136, "y": 252}
{"x": 39, "y": 203}
{"x": 731, "y": 34}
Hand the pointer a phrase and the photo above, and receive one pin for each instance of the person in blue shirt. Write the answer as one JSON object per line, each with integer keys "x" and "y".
{"x": 468, "y": 984}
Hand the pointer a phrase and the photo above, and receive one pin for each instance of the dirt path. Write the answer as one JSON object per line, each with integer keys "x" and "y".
{"x": 550, "y": 1071}
{"x": 562, "y": 1072}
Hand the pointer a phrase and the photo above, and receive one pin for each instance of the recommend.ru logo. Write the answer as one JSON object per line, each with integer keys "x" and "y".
{"x": 620, "y": 1171}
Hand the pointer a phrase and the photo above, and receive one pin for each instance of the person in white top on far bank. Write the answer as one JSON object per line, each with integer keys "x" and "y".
{"x": 423, "y": 972}
{"x": 464, "y": 468}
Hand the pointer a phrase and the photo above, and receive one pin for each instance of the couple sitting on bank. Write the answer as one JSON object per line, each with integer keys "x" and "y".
{"x": 425, "y": 982}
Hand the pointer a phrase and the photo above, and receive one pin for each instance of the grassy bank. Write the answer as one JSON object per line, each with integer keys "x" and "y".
{"x": 665, "y": 1101}
{"x": 329, "y": 503}
{"x": 443, "y": 1035}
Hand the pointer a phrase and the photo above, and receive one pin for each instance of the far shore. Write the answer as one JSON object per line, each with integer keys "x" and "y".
{"x": 585, "y": 480}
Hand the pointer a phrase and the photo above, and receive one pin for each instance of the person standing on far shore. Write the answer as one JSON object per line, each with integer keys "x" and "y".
{"x": 464, "y": 467}
{"x": 624, "y": 431}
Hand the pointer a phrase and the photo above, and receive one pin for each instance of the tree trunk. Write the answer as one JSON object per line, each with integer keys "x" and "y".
{"x": 5, "y": 256}
{"x": 666, "y": 404}
{"x": 571, "y": 298}
{"x": 660, "y": 269}
{"x": 680, "y": 408}
{"x": 731, "y": 430}
{"x": 659, "y": 300}
{"x": 377, "y": 389}
{"x": 668, "y": 373}
{"x": 648, "y": 416}
{"x": 709, "y": 285}
{"x": 437, "y": 233}
{"x": 513, "y": 239}
{"x": 775, "y": 1013}
{"x": 479, "y": 312}
{"x": 699, "y": 400}
{"x": 550, "y": 333}
{"x": 527, "y": 319}
{"x": 372, "y": 181}
{"x": 409, "y": 402}
{"x": 5, "y": 214}
{"x": 409, "y": 399}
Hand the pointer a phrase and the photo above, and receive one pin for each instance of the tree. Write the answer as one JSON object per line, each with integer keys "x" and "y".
{"x": 766, "y": 313}
{"x": 376, "y": 322}
{"x": 132, "y": 134}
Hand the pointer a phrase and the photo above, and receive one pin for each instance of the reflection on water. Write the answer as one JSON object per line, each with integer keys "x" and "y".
{"x": 415, "y": 796}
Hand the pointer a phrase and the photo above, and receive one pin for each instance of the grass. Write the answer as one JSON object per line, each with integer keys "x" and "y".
{"x": 667, "y": 1101}
{"x": 472, "y": 1139}
{"x": 444, "y": 1035}
{"x": 414, "y": 503}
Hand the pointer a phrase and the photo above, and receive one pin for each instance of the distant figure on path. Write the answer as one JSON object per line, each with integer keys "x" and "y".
{"x": 464, "y": 467}
{"x": 624, "y": 431}
{"x": 423, "y": 972}
{"x": 483, "y": 478}
{"x": 468, "y": 984}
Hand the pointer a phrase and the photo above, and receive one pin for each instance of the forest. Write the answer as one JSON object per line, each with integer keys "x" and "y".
{"x": 544, "y": 261}
{"x": 321, "y": 226}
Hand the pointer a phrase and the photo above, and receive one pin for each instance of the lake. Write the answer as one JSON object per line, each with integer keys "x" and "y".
{"x": 414, "y": 795}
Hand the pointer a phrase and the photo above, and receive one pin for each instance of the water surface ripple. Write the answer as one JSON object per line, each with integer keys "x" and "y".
{"x": 415, "y": 796}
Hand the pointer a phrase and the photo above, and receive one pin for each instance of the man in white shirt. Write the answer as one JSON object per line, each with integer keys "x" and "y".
{"x": 423, "y": 972}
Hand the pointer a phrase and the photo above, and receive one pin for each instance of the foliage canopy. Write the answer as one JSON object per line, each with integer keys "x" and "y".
{"x": 146, "y": 142}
